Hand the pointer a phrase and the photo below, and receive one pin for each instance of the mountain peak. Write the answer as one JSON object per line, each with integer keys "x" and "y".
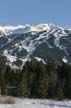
{"x": 8, "y": 29}
{"x": 21, "y": 43}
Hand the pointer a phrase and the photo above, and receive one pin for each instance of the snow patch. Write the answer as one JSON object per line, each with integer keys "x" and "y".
{"x": 38, "y": 103}
{"x": 9, "y": 57}
{"x": 40, "y": 59}
{"x": 65, "y": 59}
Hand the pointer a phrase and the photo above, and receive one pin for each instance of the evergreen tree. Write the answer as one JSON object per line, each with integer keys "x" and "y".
{"x": 67, "y": 87}
{"x": 2, "y": 81}
{"x": 24, "y": 84}
{"x": 42, "y": 81}
{"x": 60, "y": 91}
{"x": 53, "y": 79}
{"x": 38, "y": 80}
{"x": 11, "y": 76}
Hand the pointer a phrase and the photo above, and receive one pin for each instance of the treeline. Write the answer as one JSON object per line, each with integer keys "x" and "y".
{"x": 37, "y": 80}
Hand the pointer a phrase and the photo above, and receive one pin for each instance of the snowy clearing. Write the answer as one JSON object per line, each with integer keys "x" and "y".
{"x": 38, "y": 103}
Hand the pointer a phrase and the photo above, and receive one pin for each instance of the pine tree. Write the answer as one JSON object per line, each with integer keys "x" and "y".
{"x": 42, "y": 81}
{"x": 53, "y": 79}
{"x": 60, "y": 92}
{"x": 67, "y": 87}
{"x": 11, "y": 76}
{"x": 2, "y": 81}
{"x": 24, "y": 84}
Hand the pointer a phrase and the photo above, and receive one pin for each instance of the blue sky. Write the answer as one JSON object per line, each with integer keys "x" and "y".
{"x": 15, "y": 12}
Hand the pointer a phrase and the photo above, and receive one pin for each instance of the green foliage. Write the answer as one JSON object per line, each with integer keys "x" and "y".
{"x": 38, "y": 80}
{"x": 24, "y": 84}
{"x": 42, "y": 80}
{"x": 2, "y": 81}
{"x": 60, "y": 92}
{"x": 11, "y": 76}
{"x": 67, "y": 87}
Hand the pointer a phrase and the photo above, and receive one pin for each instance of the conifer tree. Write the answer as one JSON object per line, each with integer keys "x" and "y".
{"x": 67, "y": 87}
{"x": 53, "y": 79}
{"x": 42, "y": 81}
{"x": 2, "y": 81}
{"x": 24, "y": 84}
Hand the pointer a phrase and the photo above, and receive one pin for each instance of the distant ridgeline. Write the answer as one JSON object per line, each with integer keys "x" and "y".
{"x": 37, "y": 80}
{"x": 45, "y": 42}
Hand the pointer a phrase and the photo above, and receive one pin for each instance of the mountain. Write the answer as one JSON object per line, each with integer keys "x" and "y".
{"x": 45, "y": 42}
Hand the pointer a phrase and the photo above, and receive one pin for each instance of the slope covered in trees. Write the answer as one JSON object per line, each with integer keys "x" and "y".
{"x": 37, "y": 80}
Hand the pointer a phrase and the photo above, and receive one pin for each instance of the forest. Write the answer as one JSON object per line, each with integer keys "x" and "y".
{"x": 37, "y": 80}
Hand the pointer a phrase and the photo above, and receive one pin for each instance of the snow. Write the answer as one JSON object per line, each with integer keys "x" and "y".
{"x": 65, "y": 59}
{"x": 58, "y": 35}
{"x": 8, "y": 29}
{"x": 57, "y": 41}
{"x": 11, "y": 29}
{"x": 9, "y": 40}
{"x": 40, "y": 59}
{"x": 16, "y": 44}
{"x": 17, "y": 29}
{"x": 31, "y": 41}
{"x": 38, "y": 103}
{"x": 9, "y": 57}
{"x": 65, "y": 50}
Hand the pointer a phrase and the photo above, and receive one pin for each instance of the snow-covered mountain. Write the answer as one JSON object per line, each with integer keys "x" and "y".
{"x": 21, "y": 43}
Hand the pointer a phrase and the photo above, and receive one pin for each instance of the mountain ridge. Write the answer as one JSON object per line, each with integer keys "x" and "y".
{"x": 21, "y": 43}
{"x": 7, "y": 29}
